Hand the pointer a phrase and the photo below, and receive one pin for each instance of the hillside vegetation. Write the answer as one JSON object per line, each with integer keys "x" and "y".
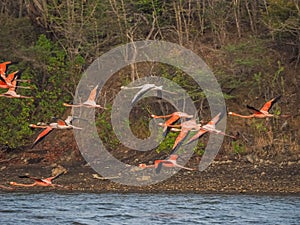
{"x": 253, "y": 48}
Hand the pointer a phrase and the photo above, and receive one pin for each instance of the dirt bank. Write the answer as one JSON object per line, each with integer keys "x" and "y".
{"x": 243, "y": 175}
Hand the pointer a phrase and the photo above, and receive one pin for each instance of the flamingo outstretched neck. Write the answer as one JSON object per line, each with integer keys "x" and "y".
{"x": 239, "y": 115}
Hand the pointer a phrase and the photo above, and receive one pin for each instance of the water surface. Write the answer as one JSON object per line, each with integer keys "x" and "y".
{"x": 91, "y": 208}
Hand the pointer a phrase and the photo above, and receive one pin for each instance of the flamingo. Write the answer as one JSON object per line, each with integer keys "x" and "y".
{"x": 186, "y": 127}
{"x": 209, "y": 127}
{"x": 89, "y": 103}
{"x": 259, "y": 113}
{"x": 11, "y": 93}
{"x": 144, "y": 89}
{"x": 174, "y": 117}
{"x": 159, "y": 163}
{"x": 60, "y": 124}
{"x": 38, "y": 181}
{"x": 6, "y": 82}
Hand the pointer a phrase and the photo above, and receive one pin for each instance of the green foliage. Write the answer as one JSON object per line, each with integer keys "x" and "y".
{"x": 259, "y": 126}
{"x": 15, "y": 34}
{"x": 14, "y": 128}
{"x": 49, "y": 81}
{"x": 148, "y": 6}
{"x": 184, "y": 81}
{"x": 238, "y": 148}
{"x": 167, "y": 143}
{"x": 278, "y": 79}
{"x": 283, "y": 18}
{"x": 200, "y": 149}
{"x": 247, "y": 60}
{"x": 105, "y": 131}
{"x": 52, "y": 80}
{"x": 247, "y": 54}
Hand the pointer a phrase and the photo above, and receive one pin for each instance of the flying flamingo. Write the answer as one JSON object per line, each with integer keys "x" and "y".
{"x": 144, "y": 89}
{"x": 60, "y": 124}
{"x": 209, "y": 127}
{"x": 159, "y": 163}
{"x": 174, "y": 117}
{"x": 39, "y": 182}
{"x": 259, "y": 113}
{"x": 90, "y": 103}
{"x": 11, "y": 93}
{"x": 6, "y": 82}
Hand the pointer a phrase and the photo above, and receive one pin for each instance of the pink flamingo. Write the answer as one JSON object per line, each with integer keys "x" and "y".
{"x": 263, "y": 112}
{"x": 60, "y": 124}
{"x": 159, "y": 163}
{"x": 89, "y": 103}
{"x": 39, "y": 182}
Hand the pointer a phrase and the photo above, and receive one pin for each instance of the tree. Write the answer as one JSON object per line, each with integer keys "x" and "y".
{"x": 282, "y": 18}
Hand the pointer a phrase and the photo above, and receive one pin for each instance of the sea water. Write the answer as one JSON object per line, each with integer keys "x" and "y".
{"x": 111, "y": 208}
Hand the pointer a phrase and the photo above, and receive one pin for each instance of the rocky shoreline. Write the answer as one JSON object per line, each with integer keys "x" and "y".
{"x": 222, "y": 176}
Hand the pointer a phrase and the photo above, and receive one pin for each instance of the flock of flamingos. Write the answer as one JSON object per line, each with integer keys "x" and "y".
{"x": 188, "y": 124}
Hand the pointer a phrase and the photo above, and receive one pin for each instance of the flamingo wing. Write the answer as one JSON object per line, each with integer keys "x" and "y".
{"x": 3, "y": 67}
{"x": 32, "y": 178}
{"x": 199, "y": 134}
{"x": 256, "y": 111}
{"x": 14, "y": 84}
{"x": 141, "y": 92}
{"x": 216, "y": 119}
{"x": 169, "y": 122}
{"x": 159, "y": 93}
{"x": 2, "y": 78}
{"x": 25, "y": 176}
{"x": 166, "y": 130}
{"x": 93, "y": 94}
{"x": 12, "y": 76}
{"x": 180, "y": 139}
{"x": 3, "y": 83}
{"x": 159, "y": 90}
{"x": 183, "y": 167}
{"x": 158, "y": 164}
{"x": 172, "y": 120}
{"x": 70, "y": 119}
{"x": 268, "y": 105}
{"x": 61, "y": 122}
{"x": 42, "y": 135}
{"x": 158, "y": 167}
{"x": 54, "y": 177}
